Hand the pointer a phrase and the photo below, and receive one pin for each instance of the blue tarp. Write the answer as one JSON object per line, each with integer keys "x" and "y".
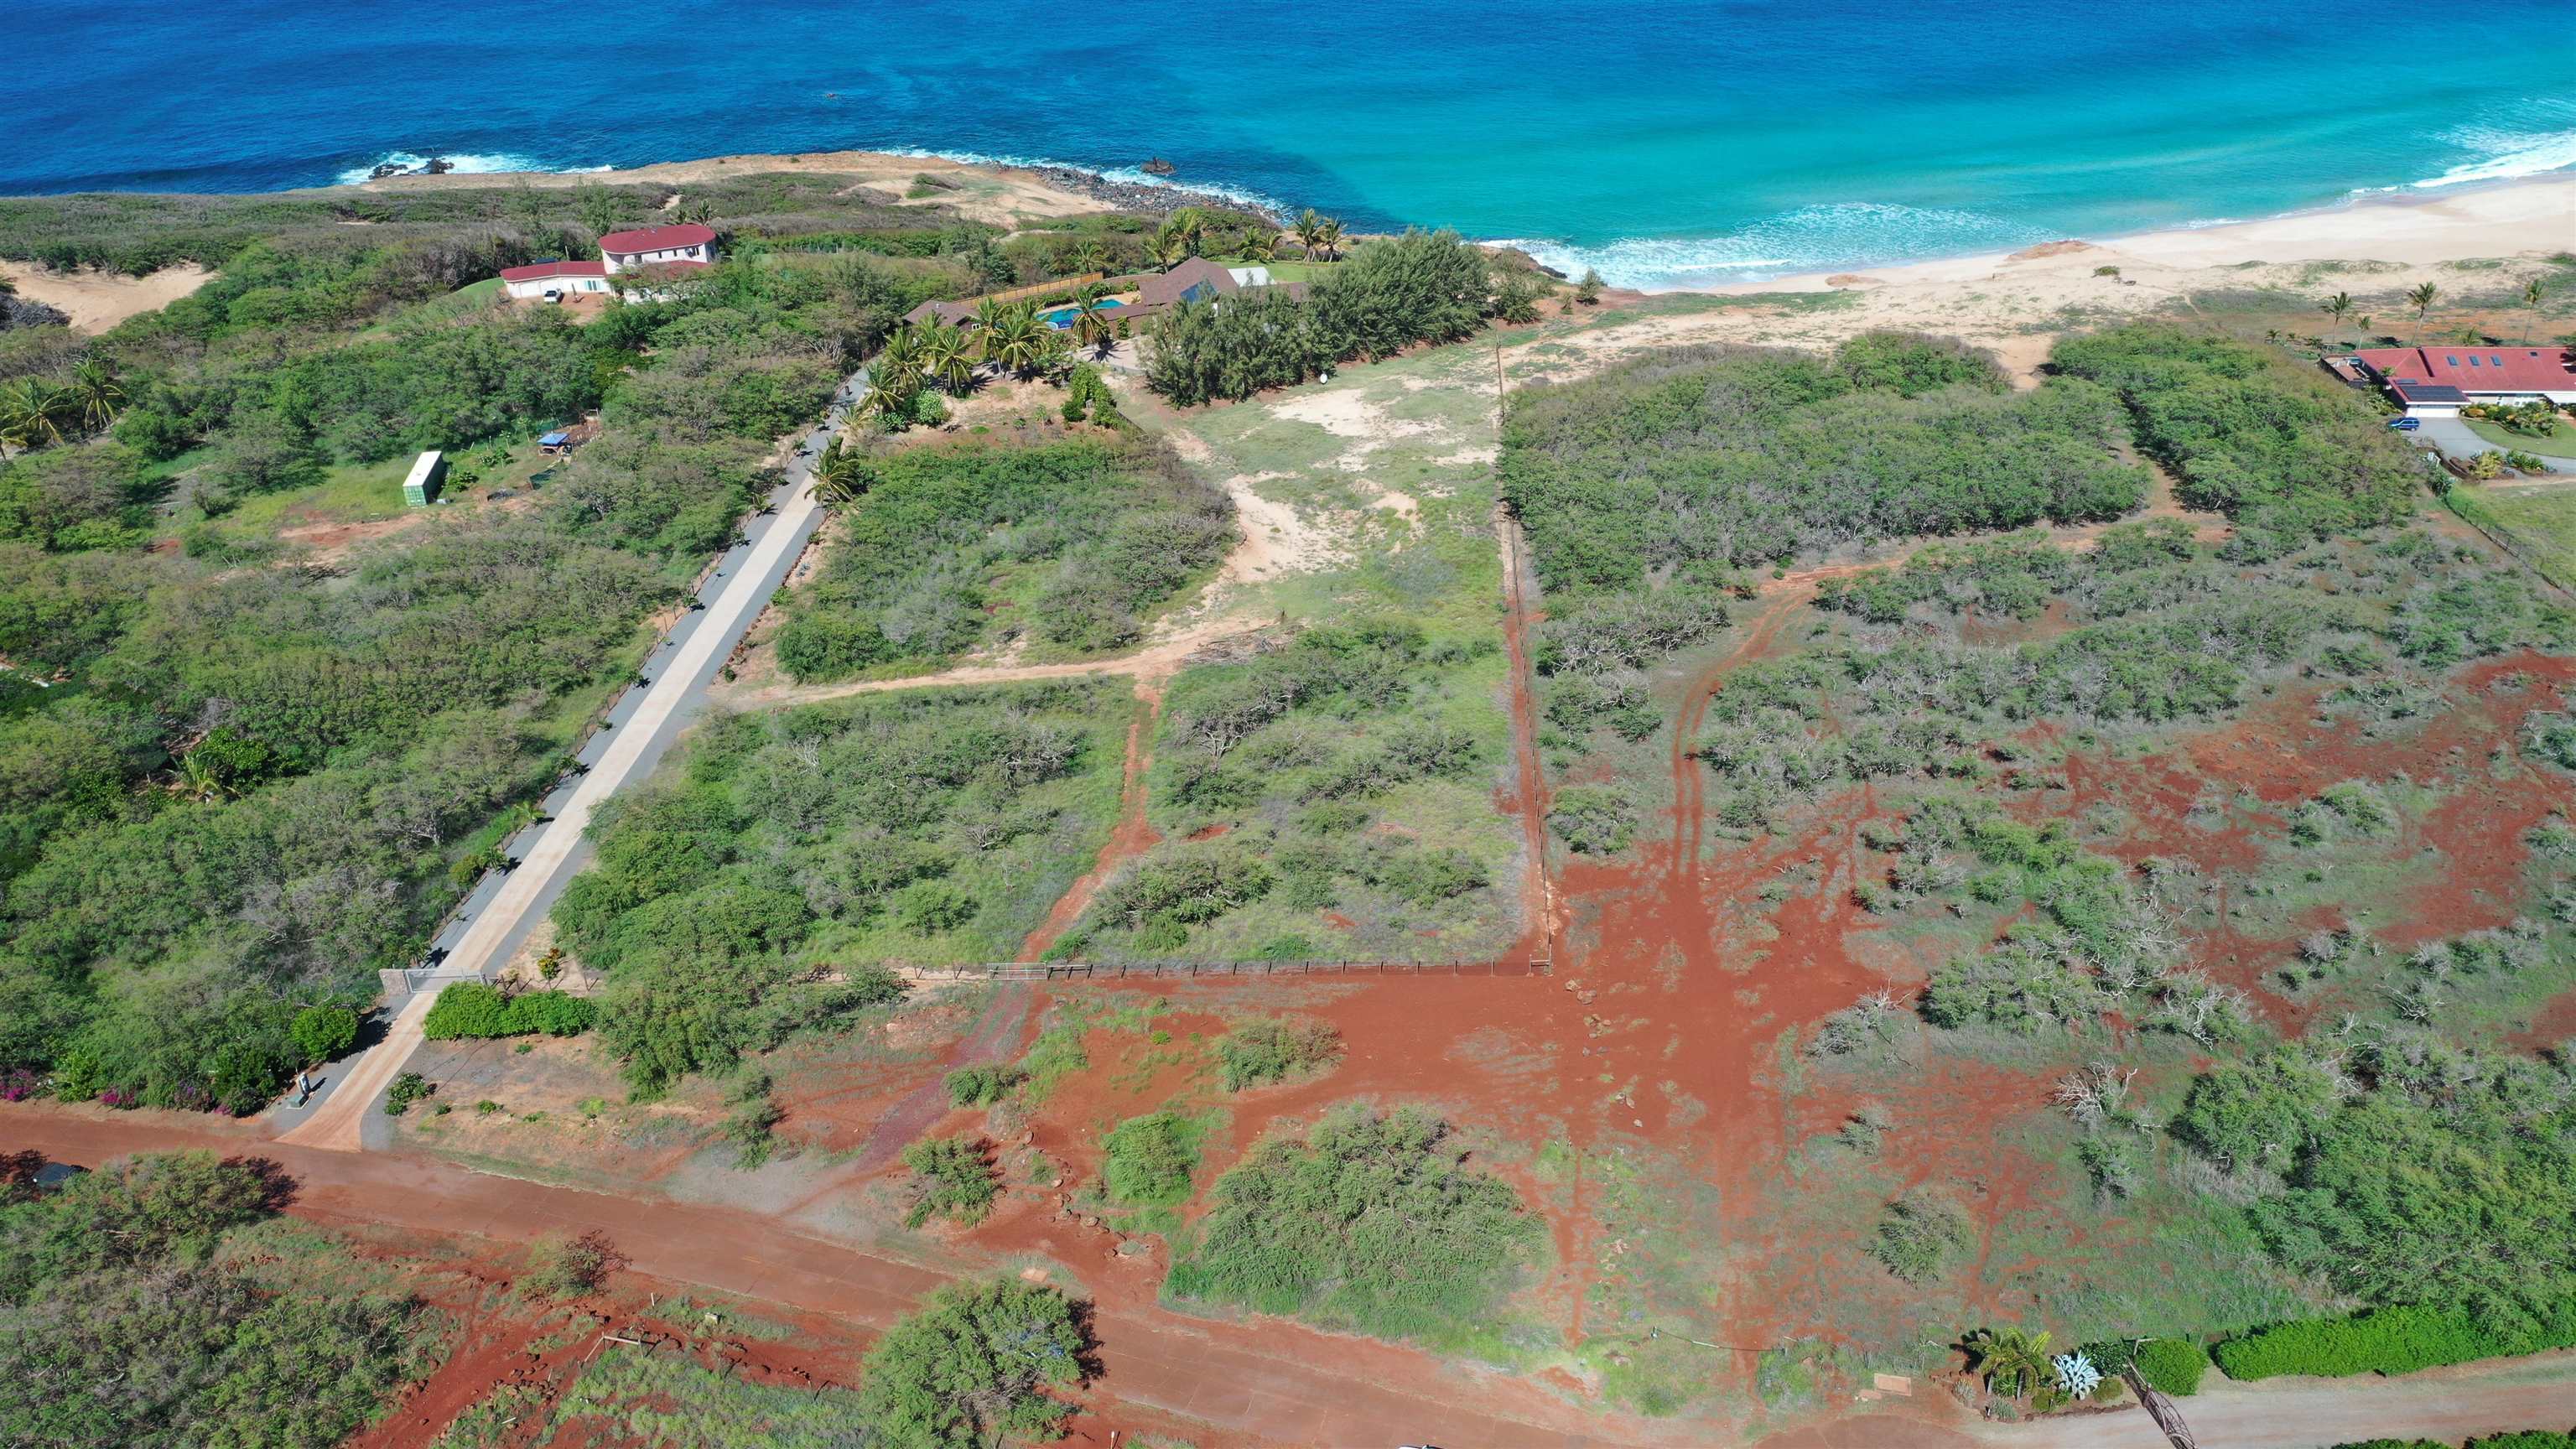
{"x": 551, "y": 440}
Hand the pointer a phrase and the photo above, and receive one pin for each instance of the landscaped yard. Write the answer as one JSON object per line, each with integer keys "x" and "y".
{"x": 2539, "y": 518}
{"x": 2561, "y": 442}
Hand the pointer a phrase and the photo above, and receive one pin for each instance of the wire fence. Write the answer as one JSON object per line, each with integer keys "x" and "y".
{"x": 1217, "y": 970}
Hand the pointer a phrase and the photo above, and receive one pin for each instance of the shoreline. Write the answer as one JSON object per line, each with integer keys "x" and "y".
{"x": 2494, "y": 218}
{"x": 1025, "y": 191}
{"x": 2509, "y": 217}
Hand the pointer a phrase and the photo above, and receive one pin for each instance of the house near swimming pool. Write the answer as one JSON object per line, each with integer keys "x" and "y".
{"x": 685, "y": 246}
{"x": 1198, "y": 280}
{"x": 2439, "y": 381}
{"x": 1195, "y": 280}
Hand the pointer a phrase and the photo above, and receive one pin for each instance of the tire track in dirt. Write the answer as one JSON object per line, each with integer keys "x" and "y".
{"x": 995, "y": 1036}
{"x": 1130, "y": 838}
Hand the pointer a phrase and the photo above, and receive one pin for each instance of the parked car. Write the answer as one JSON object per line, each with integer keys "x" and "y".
{"x": 2406, "y": 425}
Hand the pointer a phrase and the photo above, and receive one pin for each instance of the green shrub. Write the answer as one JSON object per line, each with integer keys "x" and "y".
{"x": 1593, "y": 819}
{"x": 2386, "y": 1341}
{"x": 322, "y": 1033}
{"x": 1146, "y": 1160}
{"x": 1699, "y": 460}
{"x": 970, "y": 1369}
{"x": 1918, "y": 1235}
{"x": 568, "y": 1266}
{"x": 982, "y": 1086}
{"x": 1367, "y": 1222}
{"x": 1274, "y": 1049}
{"x": 2172, "y": 1365}
{"x": 408, "y": 1088}
{"x": 471, "y": 1010}
{"x": 952, "y": 1177}
{"x": 2251, "y": 433}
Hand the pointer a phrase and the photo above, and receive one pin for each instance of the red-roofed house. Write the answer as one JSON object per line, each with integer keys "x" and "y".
{"x": 664, "y": 251}
{"x": 2449, "y": 377}
{"x": 557, "y": 279}
{"x": 687, "y": 241}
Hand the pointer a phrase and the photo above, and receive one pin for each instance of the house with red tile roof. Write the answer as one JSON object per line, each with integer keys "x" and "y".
{"x": 664, "y": 251}
{"x": 561, "y": 279}
{"x": 2450, "y": 377}
{"x": 626, "y": 251}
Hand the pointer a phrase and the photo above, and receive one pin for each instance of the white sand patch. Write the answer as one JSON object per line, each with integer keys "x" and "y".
{"x": 1276, "y": 540}
{"x": 97, "y": 301}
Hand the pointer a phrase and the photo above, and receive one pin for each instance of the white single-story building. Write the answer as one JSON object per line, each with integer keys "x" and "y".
{"x": 668, "y": 249}
{"x": 556, "y": 280}
{"x": 653, "y": 246}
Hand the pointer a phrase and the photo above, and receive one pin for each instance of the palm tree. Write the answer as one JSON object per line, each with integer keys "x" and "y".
{"x": 1017, "y": 343}
{"x": 841, "y": 476}
{"x": 97, "y": 393}
{"x": 2422, "y": 298}
{"x": 1308, "y": 229}
{"x": 2014, "y": 1361}
{"x": 2338, "y": 306}
{"x": 896, "y": 372}
{"x": 33, "y": 412}
{"x": 1260, "y": 246}
{"x": 1170, "y": 246}
{"x": 1091, "y": 326}
{"x": 202, "y": 782}
{"x": 1328, "y": 239}
{"x": 2532, "y": 292}
{"x": 948, "y": 356}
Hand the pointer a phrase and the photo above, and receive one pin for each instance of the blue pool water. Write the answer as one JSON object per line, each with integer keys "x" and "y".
{"x": 1668, "y": 142}
{"x": 1062, "y": 317}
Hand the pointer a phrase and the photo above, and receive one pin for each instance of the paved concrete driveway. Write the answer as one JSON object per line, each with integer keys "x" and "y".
{"x": 2457, "y": 439}
{"x": 505, "y": 905}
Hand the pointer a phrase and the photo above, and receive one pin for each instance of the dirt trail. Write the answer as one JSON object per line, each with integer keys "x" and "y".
{"x": 995, "y": 1037}
{"x": 1271, "y": 1379}
{"x": 1132, "y": 837}
{"x": 1159, "y": 660}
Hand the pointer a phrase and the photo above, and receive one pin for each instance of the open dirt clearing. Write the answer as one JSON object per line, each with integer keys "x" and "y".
{"x": 95, "y": 300}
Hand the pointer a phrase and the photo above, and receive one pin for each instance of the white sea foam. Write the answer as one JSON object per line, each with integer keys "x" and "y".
{"x": 458, "y": 163}
{"x": 2501, "y": 154}
{"x": 1809, "y": 239}
{"x": 1125, "y": 175}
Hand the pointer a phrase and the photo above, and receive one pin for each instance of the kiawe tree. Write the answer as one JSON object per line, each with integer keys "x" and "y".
{"x": 972, "y": 1368}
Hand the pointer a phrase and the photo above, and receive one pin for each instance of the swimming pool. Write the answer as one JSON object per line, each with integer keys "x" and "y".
{"x": 1061, "y": 318}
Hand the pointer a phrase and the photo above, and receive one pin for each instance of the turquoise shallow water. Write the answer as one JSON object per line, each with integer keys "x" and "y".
{"x": 1667, "y": 143}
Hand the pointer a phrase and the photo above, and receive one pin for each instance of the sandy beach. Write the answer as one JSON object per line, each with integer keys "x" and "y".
{"x": 2469, "y": 240}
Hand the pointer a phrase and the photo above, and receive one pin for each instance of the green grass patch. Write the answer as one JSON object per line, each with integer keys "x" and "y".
{"x": 1367, "y": 1223}
{"x": 663, "y": 1401}
{"x": 2538, "y": 520}
{"x": 2560, "y": 442}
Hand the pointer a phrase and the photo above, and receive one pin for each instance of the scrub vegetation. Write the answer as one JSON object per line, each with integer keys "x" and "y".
{"x": 752, "y": 887}
{"x": 2005, "y": 773}
{"x": 144, "y": 1307}
{"x": 1070, "y": 547}
{"x": 276, "y": 747}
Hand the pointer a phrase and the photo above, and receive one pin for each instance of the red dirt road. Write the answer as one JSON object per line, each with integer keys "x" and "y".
{"x": 1272, "y": 1380}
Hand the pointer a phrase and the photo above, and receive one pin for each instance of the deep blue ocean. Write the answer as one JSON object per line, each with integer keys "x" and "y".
{"x": 1670, "y": 142}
